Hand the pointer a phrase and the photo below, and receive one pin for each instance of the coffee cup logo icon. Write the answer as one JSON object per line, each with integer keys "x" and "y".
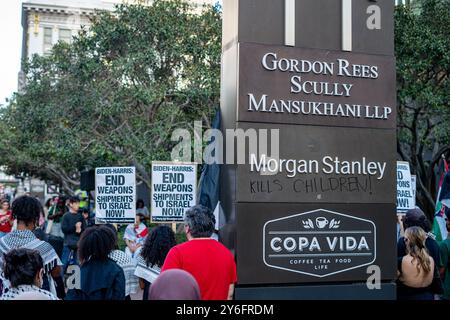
{"x": 321, "y": 222}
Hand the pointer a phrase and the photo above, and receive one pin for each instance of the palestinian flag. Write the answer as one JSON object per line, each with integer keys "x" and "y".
{"x": 442, "y": 205}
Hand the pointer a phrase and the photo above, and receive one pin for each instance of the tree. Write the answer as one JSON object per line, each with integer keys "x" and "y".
{"x": 422, "y": 50}
{"x": 114, "y": 96}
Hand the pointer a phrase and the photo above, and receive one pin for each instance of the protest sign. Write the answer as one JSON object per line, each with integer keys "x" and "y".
{"x": 174, "y": 190}
{"x": 405, "y": 197}
{"x": 115, "y": 198}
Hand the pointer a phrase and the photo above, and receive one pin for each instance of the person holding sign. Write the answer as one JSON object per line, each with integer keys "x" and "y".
{"x": 134, "y": 237}
{"x": 209, "y": 261}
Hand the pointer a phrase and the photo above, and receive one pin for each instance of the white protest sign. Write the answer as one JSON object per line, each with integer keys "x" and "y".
{"x": 115, "y": 195}
{"x": 174, "y": 190}
{"x": 405, "y": 198}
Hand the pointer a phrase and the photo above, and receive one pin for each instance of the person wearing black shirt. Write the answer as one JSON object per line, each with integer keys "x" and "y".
{"x": 101, "y": 277}
{"x": 416, "y": 218}
{"x": 72, "y": 226}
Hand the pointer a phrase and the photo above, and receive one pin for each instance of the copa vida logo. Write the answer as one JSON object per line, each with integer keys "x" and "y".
{"x": 319, "y": 243}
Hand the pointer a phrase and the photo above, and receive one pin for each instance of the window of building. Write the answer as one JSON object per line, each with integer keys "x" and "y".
{"x": 48, "y": 42}
{"x": 403, "y": 2}
{"x": 65, "y": 35}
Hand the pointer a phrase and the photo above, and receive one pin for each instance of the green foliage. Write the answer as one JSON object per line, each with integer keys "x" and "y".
{"x": 114, "y": 96}
{"x": 422, "y": 49}
{"x": 180, "y": 237}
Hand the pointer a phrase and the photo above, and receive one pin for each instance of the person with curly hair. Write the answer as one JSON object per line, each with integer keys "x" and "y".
{"x": 26, "y": 210}
{"x": 152, "y": 256}
{"x": 101, "y": 278}
{"x": 24, "y": 268}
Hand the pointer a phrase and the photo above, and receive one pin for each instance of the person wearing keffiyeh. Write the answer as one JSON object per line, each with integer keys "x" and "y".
{"x": 27, "y": 210}
{"x": 134, "y": 237}
{"x": 125, "y": 262}
{"x": 24, "y": 270}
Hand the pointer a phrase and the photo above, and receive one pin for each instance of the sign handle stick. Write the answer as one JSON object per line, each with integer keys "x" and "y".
{"x": 174, "y": 227}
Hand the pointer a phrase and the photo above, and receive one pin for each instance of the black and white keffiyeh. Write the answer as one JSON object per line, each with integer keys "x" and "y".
{"x": 146, "y": 272}
{"x": 26, "y": 239}
{"x": 125, "y": 262}
{"x": 16, "y": 292}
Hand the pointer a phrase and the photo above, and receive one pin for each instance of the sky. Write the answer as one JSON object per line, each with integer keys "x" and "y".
{"x": 10, "y": 52}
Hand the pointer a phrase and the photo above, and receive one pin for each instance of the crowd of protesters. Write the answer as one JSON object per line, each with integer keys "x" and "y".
{"x": 38, "y": 245}
{"x": 58, "y": 252}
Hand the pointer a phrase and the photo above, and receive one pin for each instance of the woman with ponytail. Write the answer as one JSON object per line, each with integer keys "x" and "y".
{"x": 416, "y": 269}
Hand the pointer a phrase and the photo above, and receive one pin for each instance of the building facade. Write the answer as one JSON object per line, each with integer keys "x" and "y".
{"x": 45, "y": 22}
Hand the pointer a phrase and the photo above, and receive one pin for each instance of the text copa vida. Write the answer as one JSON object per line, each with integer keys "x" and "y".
{"x": 340, "y": 244}
{"x": 331, "y": 243}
